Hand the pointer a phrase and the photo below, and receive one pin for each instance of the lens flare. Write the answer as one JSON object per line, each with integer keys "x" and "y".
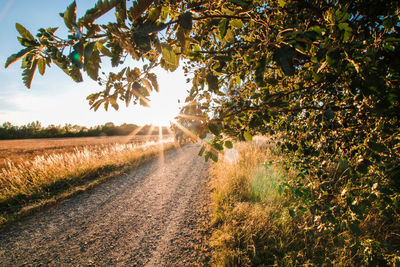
{"x": 76, "y": 56}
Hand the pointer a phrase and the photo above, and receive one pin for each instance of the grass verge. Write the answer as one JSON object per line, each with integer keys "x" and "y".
{"x": 32, "y": 185}
{"x": 254, "y": 225}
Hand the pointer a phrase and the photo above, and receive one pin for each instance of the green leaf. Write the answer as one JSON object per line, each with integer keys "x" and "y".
{"x": 242, "y": 3}
{"x": 223, "y": 27}
{"x": 144, "y": 103}
{"x": 181, "y": 36}
{"x": 171, "y": 59}
{"x": 280, "y": 189}
{"x": 214, "y": 129}
{"x": 186, "y": 21}
{"x": 229, "y": 37}
{"x": 120, "y": 12}
{"x": 27, "y": 43}
{"x": 147, "y": 85}
{"x": 284, "y": 57}
{"x": 101, "y": 7}
{"x": 218, "y": 146}
{"x": 113, "y": 101}
{"x": 247, "y": 136}
{"x": 14, "y": 57}
{"x": 154, "y": 14}
{"x": 259, "y": 73}
{"x": 150, "y": 27}
{"x": 70, "y": 15}
{"x": 153, "y": 79}
{"x": 291, "y": 213}
{"x": 228, "y": 144}
{"x": 93, "y": 65}
{"x": 142, "y": 41}
{"x": 138, "y": 8}
{"x": 104, "y": 50}
{"x": 42, "y": 65}
{"x": 75, "y": 74}
{"x": 87, "y": 52}
{"x": 237, "y": 23}
{"x": 60, "y": 65}
{"x": 133, "y": 75}
{"x": 332, "y": 57}
{"x": 378, "y": 147}
{"x": 202, "y": 150}
{"x": 214, "y": 157}
{"x": 80, "y": 48}
{"x": 28, "y": 73}
{"x": 24, "y": 32}
{"x": 348, "y": 31}
{"x": 341, "y": 15}
{"x": 144, "y": 91}
{"x": 95, "y": 106}
{"x": 207, "y": 156}
{"x": 212, "y": 81}
{"x": 355, "y": 227}
{"x": 317, "y": 29}
{"x": 282, "y": 3}
{"x": 164, "y": 13}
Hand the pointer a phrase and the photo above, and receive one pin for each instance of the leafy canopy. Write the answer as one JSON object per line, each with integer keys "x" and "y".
{"x": 321, "y": 77}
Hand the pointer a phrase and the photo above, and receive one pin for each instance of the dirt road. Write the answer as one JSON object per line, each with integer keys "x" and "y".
{"x": 151, "y": 217}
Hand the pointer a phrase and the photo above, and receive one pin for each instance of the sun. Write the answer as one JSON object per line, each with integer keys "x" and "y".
{"x": 163, "y": 106}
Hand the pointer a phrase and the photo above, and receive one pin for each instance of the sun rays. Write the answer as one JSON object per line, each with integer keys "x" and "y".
{"x": 182, "y": 126}
{"x": 192, "y": 117}
{"x": 130, "y": 136}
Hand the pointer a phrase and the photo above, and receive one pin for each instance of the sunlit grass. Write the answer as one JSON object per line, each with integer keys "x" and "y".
{"x": 47, "y": 176}
{"x": 249, "y": 214}
{"x": 265, "y": 180}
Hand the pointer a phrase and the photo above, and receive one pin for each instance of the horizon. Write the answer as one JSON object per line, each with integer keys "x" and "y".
{"x": 74, "y": 124}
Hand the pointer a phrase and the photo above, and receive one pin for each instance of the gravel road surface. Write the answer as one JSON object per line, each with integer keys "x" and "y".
{"x": 154, "y": 216}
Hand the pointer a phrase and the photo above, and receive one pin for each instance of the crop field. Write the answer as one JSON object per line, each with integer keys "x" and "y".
{"x": 21, "y": 150}
{"x": 36, "y": 171}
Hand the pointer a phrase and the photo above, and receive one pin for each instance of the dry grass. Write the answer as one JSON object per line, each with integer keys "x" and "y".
{"x": 49, "y": 176}
{"x": 249, "y": 213}
{"x": 21, "y": 150}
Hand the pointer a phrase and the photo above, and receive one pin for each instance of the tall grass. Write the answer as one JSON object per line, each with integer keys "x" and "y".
{"x": 249, "y": 213}
{"x": 46, "y": 177}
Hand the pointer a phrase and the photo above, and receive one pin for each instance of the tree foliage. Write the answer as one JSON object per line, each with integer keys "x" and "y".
{"x": 321, "y": 77}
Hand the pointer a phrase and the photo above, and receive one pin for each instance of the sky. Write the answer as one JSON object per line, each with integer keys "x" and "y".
{"x": 55, "y": 98}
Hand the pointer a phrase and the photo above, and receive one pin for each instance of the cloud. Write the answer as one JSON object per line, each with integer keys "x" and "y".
{"x": 3, "y": 13}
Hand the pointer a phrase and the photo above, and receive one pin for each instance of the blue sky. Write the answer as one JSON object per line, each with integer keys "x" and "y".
{"x": 54, "y": 98}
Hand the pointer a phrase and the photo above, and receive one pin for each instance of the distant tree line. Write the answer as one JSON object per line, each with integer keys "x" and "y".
{"x": 36, "y": 130}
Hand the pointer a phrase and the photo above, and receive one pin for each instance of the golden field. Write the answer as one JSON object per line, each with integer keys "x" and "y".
{"x": 20, "y": 150}
{"x": 38, "y": 171}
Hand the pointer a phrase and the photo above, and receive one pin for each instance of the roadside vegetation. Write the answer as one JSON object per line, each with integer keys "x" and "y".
{"x": 259, "y": 221}
{"x": 44, "y": 179}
